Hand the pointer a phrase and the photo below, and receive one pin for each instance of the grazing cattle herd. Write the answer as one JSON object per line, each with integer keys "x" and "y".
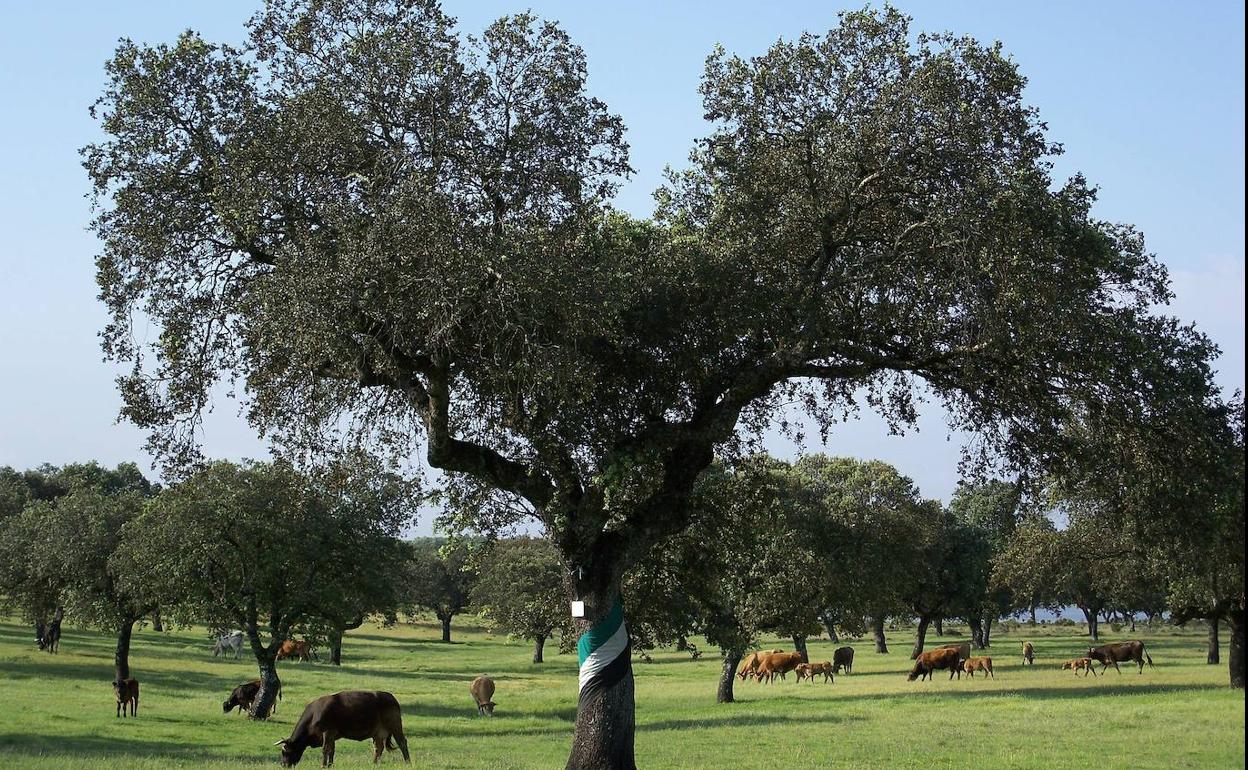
{"x": 376, "y": 715}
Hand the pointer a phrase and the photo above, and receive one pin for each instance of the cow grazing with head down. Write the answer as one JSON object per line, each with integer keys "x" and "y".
{"x": 126, "y": 691}
{"x": 750, "y": 664}
{"x": 296, "y": 648}
{"x": 1029, "y": 654}
{"x": 1112, "y": 654}
{"x": 356, "y": 715}
{"x": 843, "y": 658}
{"x": 242, "y": 696}
{"x": 940, "y": 658}
{"x": 483, "y": 693}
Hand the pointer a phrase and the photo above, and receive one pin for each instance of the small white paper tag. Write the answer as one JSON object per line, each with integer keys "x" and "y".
{"x": 578, "y": 609}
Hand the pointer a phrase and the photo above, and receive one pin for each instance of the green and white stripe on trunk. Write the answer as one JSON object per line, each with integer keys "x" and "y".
{"x": 603, "y": 651}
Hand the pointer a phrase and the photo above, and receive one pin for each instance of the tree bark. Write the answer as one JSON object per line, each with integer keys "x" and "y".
{"x": 270, "y": 686}
{"x": 539, "y": 645}
{"x": 605, "y": 709}
{"x": 1214, "y": 655}
{"x": 799, "y": 644}
{"x": 121, "y": 657}
{"x": 831, "y": 629}
{"x": 157, "y": 626}
{"x": 446, "y": 628}
{"x": 877, "y": 630}
{"x": 977, "y": 633}
{"x": 1090, "y": 616}
{"x": 1033, "y": 614}
{"x": 1235, "y": 658}
{"x": 920, "y": 637}
{"x": 335, "y": 646}
{"x": 986, "y": 632}
{"x": 728, "y": 676}
{"x": 940, "y": 626}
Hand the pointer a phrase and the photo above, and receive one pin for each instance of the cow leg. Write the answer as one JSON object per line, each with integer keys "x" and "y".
{"x": 401, "y": 740}
{"x": 327, "y": 751}
{"x": 118, "y": 709}
{"x": 1117, "y": 669}
{"x": 379, "y": 746}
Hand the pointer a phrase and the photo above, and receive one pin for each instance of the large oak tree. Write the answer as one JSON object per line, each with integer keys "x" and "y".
{"x": 384, "y": 228}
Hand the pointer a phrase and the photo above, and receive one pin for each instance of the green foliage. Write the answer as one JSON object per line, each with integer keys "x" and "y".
{"x": 520, "y": 589}
{"x": 440, "y": 576}
{"x": 264, "y": 548}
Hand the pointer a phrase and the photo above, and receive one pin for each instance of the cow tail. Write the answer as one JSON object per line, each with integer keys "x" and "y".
{"x": 390, "y": 743}
{"x": 1149, "y": 658}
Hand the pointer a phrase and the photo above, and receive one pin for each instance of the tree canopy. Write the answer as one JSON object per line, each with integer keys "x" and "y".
{"x": 388, "y": 230}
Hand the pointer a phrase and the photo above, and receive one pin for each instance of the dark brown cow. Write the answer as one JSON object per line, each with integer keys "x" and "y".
{"x": 357, "y": 715}
{"x": 1112, "y": 654}
{"x": 843, "y": 658}
{"x": 940, "y": 658}
{"x": 242, "y": 696}
{"x": 296, "y": 648}
{"x": 126, "y": 691}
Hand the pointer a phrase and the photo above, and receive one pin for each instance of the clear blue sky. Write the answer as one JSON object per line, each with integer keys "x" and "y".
{"x": 1147, "y": 97}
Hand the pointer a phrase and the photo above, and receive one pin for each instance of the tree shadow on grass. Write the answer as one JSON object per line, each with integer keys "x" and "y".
{"x": 738, "y": 720}
{"x": 79, "y": 746}
{"x": 1083, "y": 691}
{"x": 50, "y": 670}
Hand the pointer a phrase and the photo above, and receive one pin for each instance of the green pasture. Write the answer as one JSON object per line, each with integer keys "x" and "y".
{"x": 60, "y": 712}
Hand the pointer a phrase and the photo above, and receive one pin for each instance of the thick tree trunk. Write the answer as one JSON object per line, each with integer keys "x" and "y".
{"x": 121, "y": 657}
{"x": 335, "y": 646}
{"x": 1235, "y": 656}
{"x": 1132, "y": 617}
{"x": 940, "y": 626}
{"x": 986, "y": 631}
{"x": 1033, "y": 614}
{"x": 270, "y": 686}
{"x": 1090, "y": 616}
{"x": 920, "y": 637}
{"x": 799, "y": 645}
{"x": 728, "y": 676}
{"x": 877, "y": 630}
{"x": 1214, "y": 655}
{"x": 446, "y": 628}
{"x": 539, "y": 645}
{"x": 977, "y": 633}
{"x": 605, "y": 709}
{"x": 157, "y": 626}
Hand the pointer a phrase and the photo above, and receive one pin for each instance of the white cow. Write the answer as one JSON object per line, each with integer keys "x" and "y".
{"x": 232, "y": 640}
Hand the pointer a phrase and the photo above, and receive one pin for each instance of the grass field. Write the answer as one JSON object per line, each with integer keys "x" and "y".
{"x": 61, "y": 713}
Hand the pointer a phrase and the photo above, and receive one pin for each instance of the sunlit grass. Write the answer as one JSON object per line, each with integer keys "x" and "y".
{"x": 1179, "y": 715}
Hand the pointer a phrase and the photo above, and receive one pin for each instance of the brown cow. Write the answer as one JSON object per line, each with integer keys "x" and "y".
{"x": 940, "y": 658}
{"x": 1029, "y": 654}
{"x": 843, "y": 658}
{"x": 750, "y": 664}
{"x": 812, "y": 670}
{"x": 296, "y": 648}
{"x": 1074, "y": 664}
{"x": 483, "y": 693}
{"x": 777, "y": 663}
{"x": 353, "y": 714}
{"x": 242, "y": 696}
{"x": 1108, "y": 654}
{"x": 126, "y": 691}
{"x": 971, "y": 665}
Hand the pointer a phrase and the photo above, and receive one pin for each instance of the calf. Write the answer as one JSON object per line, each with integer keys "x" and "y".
{"x": 843, "y": 658}
{"x": 1029, "y": 654}
{"x": 971, "y": 665}
{"x": 354, "y": 714}
{"x": 242, "y": 696}
{"x": 1108, "y": 654}
{"x": 812, "y": 670}
{"x": 483, "y": 693}
{"x": 126, "y": 691}
{"x": 941, "y": 658}
{"x": 1074, "y": 664}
